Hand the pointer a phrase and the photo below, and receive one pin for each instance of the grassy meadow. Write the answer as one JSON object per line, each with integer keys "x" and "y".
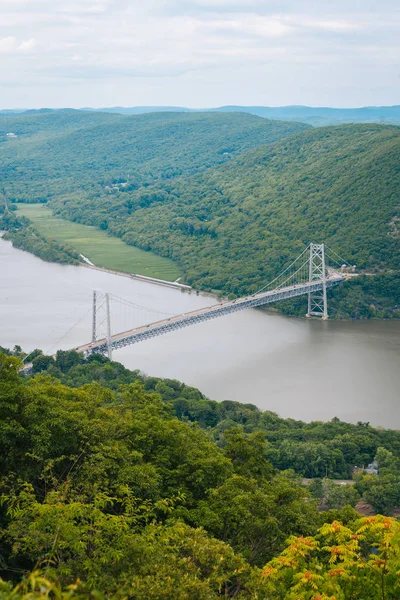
{"x": 101, "y": 249}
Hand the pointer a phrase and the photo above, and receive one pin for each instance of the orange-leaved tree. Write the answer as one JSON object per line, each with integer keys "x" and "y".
{"x": 360, "y": 561}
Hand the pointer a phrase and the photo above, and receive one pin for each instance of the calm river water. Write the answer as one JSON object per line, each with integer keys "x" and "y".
{"x": 305, "y": 369}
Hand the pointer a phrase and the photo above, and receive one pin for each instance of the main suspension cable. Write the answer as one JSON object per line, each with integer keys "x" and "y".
{"x": 283, "y": 272}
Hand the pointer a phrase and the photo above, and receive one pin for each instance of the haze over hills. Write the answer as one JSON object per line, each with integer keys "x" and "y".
{"x": 316, "y": 116}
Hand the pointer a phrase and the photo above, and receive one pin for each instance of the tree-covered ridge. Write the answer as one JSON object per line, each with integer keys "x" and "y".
{"x": 105, "y": 493}
{"x": 65, "y": 151}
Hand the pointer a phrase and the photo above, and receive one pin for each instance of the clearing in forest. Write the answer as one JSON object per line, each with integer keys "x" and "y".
{"x": 99, "y": 247}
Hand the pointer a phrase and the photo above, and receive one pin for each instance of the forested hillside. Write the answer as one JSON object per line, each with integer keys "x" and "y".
{"x": 56, "y": 152}
{"x": 123, "y": 486}
{"x": 233, "y": 228}
{"x": 230, "y": 198}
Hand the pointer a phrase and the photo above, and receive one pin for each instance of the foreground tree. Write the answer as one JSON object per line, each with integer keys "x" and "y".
{"x": 360, "y": 561}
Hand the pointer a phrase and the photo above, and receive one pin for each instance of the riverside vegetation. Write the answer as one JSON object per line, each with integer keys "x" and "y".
{"x": 230, "y": 198}
{"x": 104, "y": 250}
{"x": 118, "y": 485}
{"x": 19, "y": 230}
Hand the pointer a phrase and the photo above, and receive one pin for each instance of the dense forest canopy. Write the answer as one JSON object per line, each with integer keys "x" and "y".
{"x": 117, "y": 485}
{"x": 64, "y": 151}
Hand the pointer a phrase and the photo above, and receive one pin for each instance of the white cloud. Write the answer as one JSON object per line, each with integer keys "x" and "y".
{"x": 27, "y": 45}
{"x": 83, "y": 8}
{"x": 10, "y": 45}
{"x": 251, "y": 25}
{"x": 338, "y": 26}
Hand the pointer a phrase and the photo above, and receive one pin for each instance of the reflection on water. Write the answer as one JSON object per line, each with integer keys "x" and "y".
{"x": 305, "y": 369}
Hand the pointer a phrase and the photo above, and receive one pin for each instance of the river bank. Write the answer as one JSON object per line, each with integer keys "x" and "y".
{"x": 369, "y": 296}
{"x": 151, "y": 280}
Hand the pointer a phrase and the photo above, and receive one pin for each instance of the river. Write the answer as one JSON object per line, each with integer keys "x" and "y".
{"x": 300, "y": 368}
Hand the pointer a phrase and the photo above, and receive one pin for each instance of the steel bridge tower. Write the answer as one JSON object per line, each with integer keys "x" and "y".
{"x": 317, "y": 302}
{"x": 95, "y": 310}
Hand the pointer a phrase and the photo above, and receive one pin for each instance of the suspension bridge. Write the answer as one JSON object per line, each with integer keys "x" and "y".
{"x": 312, "y": 273}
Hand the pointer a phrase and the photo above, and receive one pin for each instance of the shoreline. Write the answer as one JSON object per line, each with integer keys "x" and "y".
{"x": 143, "y": 278}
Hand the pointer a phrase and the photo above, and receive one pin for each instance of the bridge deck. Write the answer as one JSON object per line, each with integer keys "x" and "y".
{"x": 144, "y": 332}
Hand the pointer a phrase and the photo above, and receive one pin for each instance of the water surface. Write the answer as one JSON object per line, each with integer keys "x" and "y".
{"x": 305, "y": 369}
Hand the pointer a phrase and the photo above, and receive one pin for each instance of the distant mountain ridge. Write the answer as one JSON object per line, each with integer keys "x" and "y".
{"x": 317, "y": 116}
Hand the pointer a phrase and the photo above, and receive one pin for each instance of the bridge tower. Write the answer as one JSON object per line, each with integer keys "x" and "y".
{"x": 96, "y": 308}
{"x": 109, "y": 346}
{"x": 94, "y": 317}
{"x": 317, "y": 302}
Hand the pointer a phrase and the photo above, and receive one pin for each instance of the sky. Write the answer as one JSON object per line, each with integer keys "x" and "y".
{"x": 199, "y": 53}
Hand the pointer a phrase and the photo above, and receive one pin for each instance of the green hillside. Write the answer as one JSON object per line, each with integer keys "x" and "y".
{"x": 61, "y": 152}
{"x": 115, "y": 485}
{"x": 234, "y": 227}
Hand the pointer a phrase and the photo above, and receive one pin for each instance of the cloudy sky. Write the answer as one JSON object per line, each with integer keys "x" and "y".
{"x": 199, "y": 53}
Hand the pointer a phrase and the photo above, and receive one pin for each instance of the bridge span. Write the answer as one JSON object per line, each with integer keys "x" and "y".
{"x": 220, "y": 309}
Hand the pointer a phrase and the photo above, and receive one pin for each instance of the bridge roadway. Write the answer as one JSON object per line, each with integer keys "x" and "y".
{"x": 145, "y": 332}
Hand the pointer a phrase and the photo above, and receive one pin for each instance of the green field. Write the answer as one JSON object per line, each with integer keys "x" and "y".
{"x": 103, "y": 250}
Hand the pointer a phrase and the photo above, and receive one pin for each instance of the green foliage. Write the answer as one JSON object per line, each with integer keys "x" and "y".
{"x": 79, "y": 152}
{"x": 105, "y": 493}
{"x": 108, "y": 487}
{"x": 383, "y": 491}
{"x": 250, "y": 437}
{"x": 11, "y": 222}
{"x": 113, "y": 553}
{"x": 358, "y": 562}
{"x": 338, "y": 496}
{"x": 255, "y": 517}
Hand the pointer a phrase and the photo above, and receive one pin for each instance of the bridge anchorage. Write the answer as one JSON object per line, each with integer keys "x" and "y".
{"x": 312, "y": 273}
